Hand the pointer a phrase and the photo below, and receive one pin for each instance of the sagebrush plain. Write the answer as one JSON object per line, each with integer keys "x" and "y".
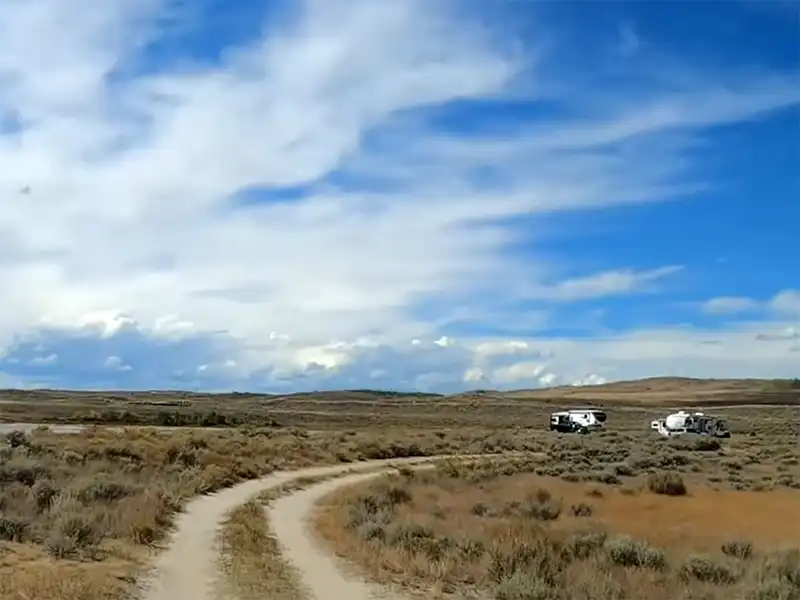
{"x": 600, "y": 516}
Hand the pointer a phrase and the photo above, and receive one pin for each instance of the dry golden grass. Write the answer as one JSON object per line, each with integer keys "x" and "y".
{"x": 81, "y": 514}
{"x": 250, "y": 556}
{"x": 28, "y": 574}
{"x": 610, "y": 517}
{"x": 251, "y": 560}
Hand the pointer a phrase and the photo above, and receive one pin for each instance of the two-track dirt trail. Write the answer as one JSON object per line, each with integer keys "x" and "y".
{"x": 187, "y": 569}
{"x": 321, "y": 576}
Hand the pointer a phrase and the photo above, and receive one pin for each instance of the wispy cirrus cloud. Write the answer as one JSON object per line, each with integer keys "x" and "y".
{"x": 608, "y": 283}
{"x": 300, "y": 203}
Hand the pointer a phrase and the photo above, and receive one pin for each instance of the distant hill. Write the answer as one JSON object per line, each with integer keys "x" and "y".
{"x": 660, "y": 390}
{"x": 653, "y": 391}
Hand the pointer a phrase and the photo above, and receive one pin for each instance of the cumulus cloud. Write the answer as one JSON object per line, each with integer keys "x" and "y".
{"x": 116, "y": 363}
{"x": 590, "y": 379}
{"x": 289, "y": 211}
{"x": 755, "y": 349}
{"x": 787, "y": 303}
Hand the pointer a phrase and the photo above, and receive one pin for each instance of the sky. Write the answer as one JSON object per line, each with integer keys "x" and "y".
{"x": 433, "y": 195}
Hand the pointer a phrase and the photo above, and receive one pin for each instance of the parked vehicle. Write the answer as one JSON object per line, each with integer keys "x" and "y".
{"x": 683, "y": 422}
{"x": 578, "y": 420}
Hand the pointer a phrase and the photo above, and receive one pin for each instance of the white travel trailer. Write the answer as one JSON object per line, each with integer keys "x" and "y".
{"x": 577, "y": 420}
{"x": 698, "y": 423}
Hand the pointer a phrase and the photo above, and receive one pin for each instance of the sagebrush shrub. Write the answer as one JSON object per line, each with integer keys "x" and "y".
{"x": 668, "y": 484}
{"x": 627, "y": 552}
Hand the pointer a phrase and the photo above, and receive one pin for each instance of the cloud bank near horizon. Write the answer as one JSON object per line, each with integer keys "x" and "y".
{"x": 419, "y": 195}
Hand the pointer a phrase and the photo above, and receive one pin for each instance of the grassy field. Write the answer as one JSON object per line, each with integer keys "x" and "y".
{"x": 81, "y": 515}
{"x": 607, "y": 517}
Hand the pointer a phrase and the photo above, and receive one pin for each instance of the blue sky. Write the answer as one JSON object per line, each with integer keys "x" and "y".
{"x": 435, "y": 195}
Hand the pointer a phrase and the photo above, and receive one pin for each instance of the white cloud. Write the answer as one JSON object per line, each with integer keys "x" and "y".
{"x": 475, "y": 377}
{"x": 783, "y": 304}
{"x": 143, "y": 231}
{"x": 124, "y": 190}
{"x": 757, "y": 349}
{"x": 590, "y": 379}
{"x": 785, "y": 334}
{"x": 747, "y": 350}
{"x": 50, "y": 359}
{"x": 608, "y": 283}
{"x": 787, "y": 303}
{"x": 116, "y": 363}
{"x": 520, "y": 371}
{"x": 730, "y": 304}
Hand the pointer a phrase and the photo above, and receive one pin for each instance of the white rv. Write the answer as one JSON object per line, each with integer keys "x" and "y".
{"x": 698, "y": 423}
{"x": 577, "y": 420}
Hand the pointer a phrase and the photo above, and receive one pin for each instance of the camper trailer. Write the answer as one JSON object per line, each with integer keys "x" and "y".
{"x": 578, "y": 420}
{"x": 682, "y": 422}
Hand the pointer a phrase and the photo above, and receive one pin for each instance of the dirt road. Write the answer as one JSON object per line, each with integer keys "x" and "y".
{"x": 187, "y": 569}
{"x": 30, "y": 427}
{"x": 322, "y": 575}
{"x": 68, "y": 429}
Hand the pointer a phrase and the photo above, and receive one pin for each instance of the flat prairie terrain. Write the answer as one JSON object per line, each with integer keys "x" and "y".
{"x": 83, "y": 514}
{"x": 367, "y": 408}
{"x": 606, "y": 517}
